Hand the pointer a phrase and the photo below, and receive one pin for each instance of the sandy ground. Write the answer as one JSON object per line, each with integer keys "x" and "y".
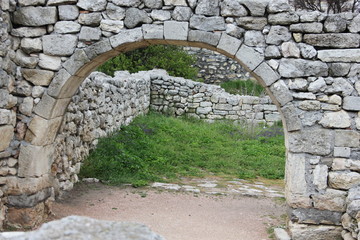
{"x": 176, "y": 215}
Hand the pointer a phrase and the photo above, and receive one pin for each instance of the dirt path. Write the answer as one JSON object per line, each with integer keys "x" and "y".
{"x": 177, "y": 215}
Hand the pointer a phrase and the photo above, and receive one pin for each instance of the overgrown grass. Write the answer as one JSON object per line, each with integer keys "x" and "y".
{"x": 243, "y": 87}
{"x": 160, "y": 148}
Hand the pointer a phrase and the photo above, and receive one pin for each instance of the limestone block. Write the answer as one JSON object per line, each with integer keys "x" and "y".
{"x": 35, "y": 161}
{"x": 28, "y": 201}
{"x": 312, "y": 16}
{"x": 152, "y": 31}
{"x": 234, "y": 31}
{"x": 276, "y": 6}
{"x": 94, "y": 5}
{"x": 98, "y": 48}
{"x": 60, "y": 2}
{"x": 266, "y": 74}
{"x": 68, "y": 12}
{"x": 320, "y": 177}
{"x": 296, "y": 186}
{"x": 272, "y": 52}
{"x": 203, "y": 110}
{"x": 347, "y": 138}
{"x": 339, "y": 85}
{"x": 256, "y": 7}
{"x": 115, "y": 12}
{"x": 306, "y": 27}
{"x": 49, "y": 62}
{"x": 24, "y": 3}
{"x": 126, "y": 36}
{"x": 335, "y": 23}
{"x": 160, "y": 15}
{"x": 334, "y": 40}
{"x": 313, "y": 232}
{"x": 89, "y": 34}
{"x": 340, "y": 119}
{"x": 291, "y": 116}
{"x": 281, "y": 92}
{"x": 340, "y": 55}
{"x": 228, "y": 44}
{"x": 284, "y": 18}
{"x": 208, "y": 7}
{"x": 339, "y": 69}
{"x": 27, "y": 217}
{"x": 175, "y": 2}
{"x": 50, "y": 108}
{"x": 37, "y": 77}
{"x": 176, "y": 30}
{"x": 181, "y": 13}
{"x": 207, "y": 23}
{"x": 304, "y": 95}
{"x": 317, "y": 142}
{"x": 298, "y": 84}
{"x": 315, "y": 216}
{"x": 35, "y": 16}
{"x": 42, "y": 131}
{"x": 153, "y": 3}
{"x": 342, "y": 152}
{"x": 231, "y": 8}
{"x": 343, "y": 180}
{"x": 307, "y": 51}
{"x": 309, "y": 105}
{"x": 37, "y": 91}
{"x": 76, "y": 61}
{"x": 90, "y": 19}
{"x": 254, "y": 39}
{"x": 7, "y": 133}
{"x": 5, "y": 117}
{"x": 54, "y": 44}
{"x": 354, "y": 25}
{"x": 292, "y": 68}
{"x": 252, "y": 23}
{"x": 28, "y": 31}
{"x": 277, "y": 35}
{"x": 204, "y": 37}
{"x": 26, "y": 106}
{"x": 31, "y": 45}
{"x": 289, "y": 49}
{"x": 250, "y": 57}
{"x": 64, "y": 27}
{"x": 134, "y": 16}
{"x": 25, "y": 60}
{"x": 351, "y": 103}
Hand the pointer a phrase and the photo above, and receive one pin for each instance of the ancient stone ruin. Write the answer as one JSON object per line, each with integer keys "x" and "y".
{"x": 308, "y": 62}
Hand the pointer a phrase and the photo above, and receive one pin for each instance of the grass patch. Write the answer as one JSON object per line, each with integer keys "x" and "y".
{"x": 244, "y": 87}
{"x": 159, "y": 148}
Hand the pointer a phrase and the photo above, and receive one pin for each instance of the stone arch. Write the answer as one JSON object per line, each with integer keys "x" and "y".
{"x": 308, "y": 62}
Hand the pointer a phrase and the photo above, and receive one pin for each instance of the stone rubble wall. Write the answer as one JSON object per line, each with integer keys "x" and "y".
{"x": 103, "y": 104}
{"x": 216, "y": 68}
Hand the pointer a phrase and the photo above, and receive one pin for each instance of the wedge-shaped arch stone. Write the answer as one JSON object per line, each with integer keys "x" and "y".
{"x": 42, "y": 131}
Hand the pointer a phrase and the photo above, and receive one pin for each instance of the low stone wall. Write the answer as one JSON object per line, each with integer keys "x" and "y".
{"x": 216, "y": 68}
{"x": 104, "y": 104}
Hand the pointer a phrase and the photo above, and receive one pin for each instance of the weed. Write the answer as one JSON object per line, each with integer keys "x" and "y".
{"x": 243, "y": 87}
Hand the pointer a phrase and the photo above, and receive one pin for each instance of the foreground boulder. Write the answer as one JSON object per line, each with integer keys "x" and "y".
{"x": 84, "y": 228}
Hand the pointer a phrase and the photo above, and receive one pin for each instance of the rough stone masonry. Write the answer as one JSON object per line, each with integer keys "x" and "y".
{"x": 309, "y": 63}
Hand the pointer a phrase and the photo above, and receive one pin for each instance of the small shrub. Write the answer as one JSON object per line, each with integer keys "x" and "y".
{"x": 171, "y": 58}
{"x": 241, "y": 87}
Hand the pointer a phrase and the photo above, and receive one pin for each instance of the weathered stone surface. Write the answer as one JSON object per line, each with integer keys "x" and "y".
{"x": 272, "y": 52}
{"x": 289, "y": 49}
{"x": 76, "y": 61}
{"x": 339, "y": 85}
{"x": 27, "y": 217}
{"x": 7, "y": 133}
{"x": 256, "y": 7}
{"x": 208, "y": 7}
{"x": 306, "y": 27}
{"x": 28, "y": 32}
{"x": 335, "y": 23}
{"x": 60, "y": 2}
{"x": 315, "y": 216}
{"x": 229, "y": 44}
{"x": 207, "y": 23}
{"x": 340, "y": 119}
{"x": 284, "y": 18}
{"x": 207, "y": 37}
{"x": 30, "y": 168}
{"x": 181, "y": 13}
{"x": 318, "y": 142}
{"x": 339, "y": 69}
{"x": 49, "y": 62}
{"x": 115, "y": 12}
{"x": 68, "y": 12}
{"x": 277, "y": 35}
{"x": 76, "y": 227}
{"x": 250, "y": 57}
{"x": 306, "y": 232}
{"x": 276, "y": 6}
{"x": 160, "y": 15}
{"x": 42, "y": 131}
{"x": 254, "y": 39}
{"x": 90, "y": 19}
{"x": 347, "y": 138}
{"x": 50, "y": 108}
{"x": 31, "y": 45}
{"x": 335, "y": 40}
{"x": 298, "y": 84}
{"x": 94, "y": 5}
{"x": 89, "y": 34}
{"x": 310, "y": 105}
{"x": 54, "y": 44}
{"x": 126, "y": 36}
{"x": 281, "y": 92}
{"x": 291, "y": 116}
{"x": 153, "y": 3}
{"x": 35, "y": 16}
{"x": 113, "y": 26}
{"x": 302, "y": 68}
{"x": 352, "y": 103}
{"x": 175, "y": 3}
{"x": 233, "y": 9}
{"x": 176, "y": 30}
{"x": 252, "y": 23}
{"x": 38, "y": 77}
{"x": 25, "y": 60}
{"x": 266, "y": 74}
{"x": 354, "y": 25}
{"x": 67, "y": 27}
{"x": 28, "y": 201}
{"x": 341, "y": 55}
{"x": 320, "y": 177}
{"x": 24, "y": 3}
{"x": 307, "y": 51}
{"x": 134, "y": 16}
{"x": 343, "y": 180}
{"x": 152, "y": 31}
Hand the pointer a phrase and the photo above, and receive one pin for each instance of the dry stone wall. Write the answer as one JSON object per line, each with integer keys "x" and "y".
{"x": 103, "y": 104}
{"x": 308, "y": 62}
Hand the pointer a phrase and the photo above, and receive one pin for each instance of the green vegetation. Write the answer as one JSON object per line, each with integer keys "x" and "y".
{"x": 171, "y": 58}
{"x": 243, "y": 87}
{"x": 160, "y": 148}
